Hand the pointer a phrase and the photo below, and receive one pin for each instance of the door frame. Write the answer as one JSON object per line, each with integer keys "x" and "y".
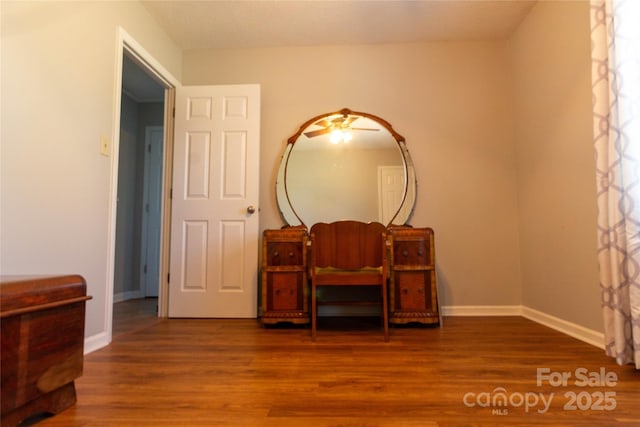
{"x": 126, "y": 43}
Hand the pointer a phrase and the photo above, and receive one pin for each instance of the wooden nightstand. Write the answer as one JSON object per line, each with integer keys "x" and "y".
{"x": 413, "y": 290}
{"x": 285, "y": 294}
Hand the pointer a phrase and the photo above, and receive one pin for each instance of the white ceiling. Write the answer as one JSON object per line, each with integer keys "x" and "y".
{"x": 277, "y": 23}
{"x": 207, "y": 24}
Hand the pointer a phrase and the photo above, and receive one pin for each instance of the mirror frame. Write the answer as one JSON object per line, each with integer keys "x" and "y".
{"x": 409, "y": 172}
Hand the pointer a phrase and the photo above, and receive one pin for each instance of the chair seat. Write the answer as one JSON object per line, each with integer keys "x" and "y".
{"x": 349, "y": 278}
{"x": 334, "y": 270}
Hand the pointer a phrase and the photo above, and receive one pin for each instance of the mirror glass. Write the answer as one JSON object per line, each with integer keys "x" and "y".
{"x": 346, "y": 165}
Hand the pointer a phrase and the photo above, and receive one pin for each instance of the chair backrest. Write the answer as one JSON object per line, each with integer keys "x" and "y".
{"x": 348, "y": 244}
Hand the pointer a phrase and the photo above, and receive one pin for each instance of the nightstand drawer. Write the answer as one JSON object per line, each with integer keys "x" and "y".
{"x": 413, "y": 290}
{"x": 284, "y": 253}
{"x": 285, "y": 290}
{"x": 411, "y": 252}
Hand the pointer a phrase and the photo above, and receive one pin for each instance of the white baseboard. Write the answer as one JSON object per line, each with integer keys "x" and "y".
{"x": 123, "y": 296}
{"x": 587, "y": 335}
{"x": 574, "y": 330}
{"x": 482, "y": 310}
{"x": 95, "y": 342}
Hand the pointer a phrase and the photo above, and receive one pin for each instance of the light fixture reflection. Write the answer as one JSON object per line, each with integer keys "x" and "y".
{"x": 339, "y": 135}
{"x": 336, "y": 136}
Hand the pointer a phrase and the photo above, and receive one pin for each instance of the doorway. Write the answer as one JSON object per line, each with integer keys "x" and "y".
{"x": 150, "y": 70}
{"x": 137, "y": 244}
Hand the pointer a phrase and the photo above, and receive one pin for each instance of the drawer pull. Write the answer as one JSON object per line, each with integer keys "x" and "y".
{"x": 276, "y": 254}
{"x": 290, "y": 254}
{"x": 405, "y": 290}
{"x": 405, "y": 252}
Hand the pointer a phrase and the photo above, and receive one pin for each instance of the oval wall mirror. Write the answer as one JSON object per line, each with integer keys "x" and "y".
{"x": 346, "y": 165}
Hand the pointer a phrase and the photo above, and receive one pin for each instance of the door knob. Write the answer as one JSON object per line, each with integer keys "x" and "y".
{"x": 251, "y": 209}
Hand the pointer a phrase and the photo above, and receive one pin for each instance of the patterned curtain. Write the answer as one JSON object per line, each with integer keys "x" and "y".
{"x": 615, "y": 41}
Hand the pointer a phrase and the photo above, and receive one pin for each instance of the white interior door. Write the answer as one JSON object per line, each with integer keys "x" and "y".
{"x": 214, "y": 219}
{"x": 391, "y": 189}
{"x": 152, "y": 197}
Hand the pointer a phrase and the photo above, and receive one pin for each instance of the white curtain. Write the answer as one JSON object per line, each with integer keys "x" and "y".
{"x": 615, "y": 40}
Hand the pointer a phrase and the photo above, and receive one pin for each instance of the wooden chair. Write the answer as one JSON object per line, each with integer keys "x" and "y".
{"x": 348, "y": 253}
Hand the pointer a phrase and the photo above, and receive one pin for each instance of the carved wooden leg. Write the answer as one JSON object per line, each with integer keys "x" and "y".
{"x": 385, "y": 311}
{"x": 314, "y": 310}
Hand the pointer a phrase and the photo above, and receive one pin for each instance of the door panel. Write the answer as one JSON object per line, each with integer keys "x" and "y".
{"x": 232, "y": 233}
{"x": 234, "y": 166}
{"x": 214, "y": 250}
{"x": 197, "y": 165}
{"x": 194, "y": 255}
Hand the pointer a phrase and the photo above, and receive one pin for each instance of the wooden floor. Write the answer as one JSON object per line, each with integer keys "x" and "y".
{"x": 134, "y": 315}
{"x": 180, "y": 372}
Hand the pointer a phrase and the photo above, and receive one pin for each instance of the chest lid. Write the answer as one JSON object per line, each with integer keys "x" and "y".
{"x": 29, "y": 293}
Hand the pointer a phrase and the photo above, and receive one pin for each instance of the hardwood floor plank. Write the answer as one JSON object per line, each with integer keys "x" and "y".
{"x": 218, "y": 372}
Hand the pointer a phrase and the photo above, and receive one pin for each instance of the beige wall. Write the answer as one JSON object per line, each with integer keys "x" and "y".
{"x": 451, "y": 101}
{"x": 556, "y": 167}
{"x": 500, "y": 133}
{"x": 58, "y": 84}
{"x": 501, "y": 136}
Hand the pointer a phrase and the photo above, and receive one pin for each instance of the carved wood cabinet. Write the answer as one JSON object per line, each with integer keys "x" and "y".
{"x": 285, "y": 291}
{"x": 413, "y": 291}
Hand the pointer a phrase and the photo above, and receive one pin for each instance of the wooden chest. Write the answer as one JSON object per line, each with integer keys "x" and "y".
{"x": 42, "y": 322}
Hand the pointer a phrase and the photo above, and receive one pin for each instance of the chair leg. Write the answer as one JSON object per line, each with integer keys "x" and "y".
{"x": 313, "y": 311}
{"x": 385, "y": 312}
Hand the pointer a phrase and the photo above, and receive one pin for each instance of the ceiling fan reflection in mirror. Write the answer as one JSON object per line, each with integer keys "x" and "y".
{"x": 338, "y": 127}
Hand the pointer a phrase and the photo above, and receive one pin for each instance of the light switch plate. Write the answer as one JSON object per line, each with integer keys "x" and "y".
{"x": 104, "y": 146}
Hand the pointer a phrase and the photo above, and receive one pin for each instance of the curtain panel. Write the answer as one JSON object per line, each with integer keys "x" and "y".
{"x": 615, "y": 41}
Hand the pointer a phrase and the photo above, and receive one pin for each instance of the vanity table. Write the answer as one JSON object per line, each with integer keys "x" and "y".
{"x": 347, "y": 165}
